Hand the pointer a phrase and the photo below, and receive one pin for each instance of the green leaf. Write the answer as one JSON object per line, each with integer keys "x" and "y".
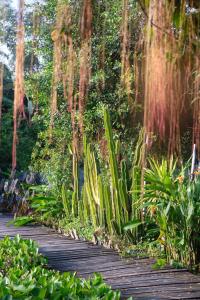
{"x": 21, "y": 221}
{"x": 132, "y": 225}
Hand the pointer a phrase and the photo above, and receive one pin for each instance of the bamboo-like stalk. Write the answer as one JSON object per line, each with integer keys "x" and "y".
{"x": 109, "y": 216}
{"x": 102, "y": 220}
{"x": 86, "y": 208}
{"x": 65, "y": 200}
{"x": 91, "y": 184}
{"x": 75, "y": 196}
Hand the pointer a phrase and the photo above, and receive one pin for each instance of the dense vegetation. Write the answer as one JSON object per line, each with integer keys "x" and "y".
{"x": 105, "y": 109}
{"x": 23, "y": 275}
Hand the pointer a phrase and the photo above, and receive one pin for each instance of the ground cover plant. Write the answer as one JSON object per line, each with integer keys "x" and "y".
{"x": 24, "y": 275}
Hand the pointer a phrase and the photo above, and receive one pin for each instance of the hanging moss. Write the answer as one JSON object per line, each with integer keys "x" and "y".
{"x": 170, "y": 60}
{"x": 125, "y": 50}
{"x": 85, "y": 57}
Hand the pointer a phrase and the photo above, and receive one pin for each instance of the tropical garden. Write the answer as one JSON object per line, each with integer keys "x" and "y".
{"x": 99, "y": 134}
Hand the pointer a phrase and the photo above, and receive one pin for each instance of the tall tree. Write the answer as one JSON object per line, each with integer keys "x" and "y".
{"x": 1, "y": 93}
{"x": 18, "y": 110}
{"x": 2, "y": 44}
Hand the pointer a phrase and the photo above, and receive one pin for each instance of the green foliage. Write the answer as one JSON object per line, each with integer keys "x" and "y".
{"x": 21, "y": 221}
{"x": 27, "y": 133}
{"x": 18, "y": 253}
{"x": 172, "y": 202}
{"x": 91, "y": 186}
{"x": 52, "y": 156}
{"x": 66, "y": 196}
{"x": 83, "y": 230}
{"x": 144, "y": 248}
{"x": 113, "y": 169}
{"x": 47, "y": 204}
{"x": 132, "y": 224}
{"x": 27, "y": 139}
{"x": 160, "y": 263}
{"x": 105, "y": 194}
{"x": 23, "y": 276}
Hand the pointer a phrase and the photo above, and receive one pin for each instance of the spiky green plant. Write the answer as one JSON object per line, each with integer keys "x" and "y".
{"x": 91, "y": 184}
{"x": 66, "y": 198}
{"x": 107, "y": 203}
{"x": 102, "y": 219}
{"x": 75, "y": 195}
{"x": 113, "y": 171}
{"x": 108, "y": 209}
{"x": 136, "y": 178}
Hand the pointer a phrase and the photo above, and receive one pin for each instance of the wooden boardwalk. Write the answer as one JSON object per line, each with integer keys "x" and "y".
{"x": 134, "y": 277}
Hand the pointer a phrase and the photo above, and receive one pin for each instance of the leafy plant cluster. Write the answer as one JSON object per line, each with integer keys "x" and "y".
{"x": 162, "y": 216}
{"x": 172, "y": 203}
{"x": 51, "y": 155}
{"x": 23, "y": 275}
{"x": 102, "y": 203}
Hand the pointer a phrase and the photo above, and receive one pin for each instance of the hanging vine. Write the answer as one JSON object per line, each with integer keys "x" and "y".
{"x": 169, "y": 63}
{"x": 57, "y": 59}
{"x": 85, "y": 57}
{"x": 125, "y": 50}
{"x": 64, "y": 65}
{"x": 69, "y": 71}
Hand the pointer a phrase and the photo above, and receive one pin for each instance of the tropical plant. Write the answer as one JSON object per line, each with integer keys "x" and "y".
{"x": 171, "y": 200}
{"x": 106, "y": 199}
{"x": 44, "y": 204}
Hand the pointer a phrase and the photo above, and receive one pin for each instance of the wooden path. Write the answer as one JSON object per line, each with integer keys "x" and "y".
{"x": 134, "y": 277}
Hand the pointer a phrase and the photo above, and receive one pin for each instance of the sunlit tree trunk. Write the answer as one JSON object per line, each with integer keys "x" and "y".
{"x": 18, "y": 110}
{"x": 1, "y": 94}
{"x": 2, "y": 65}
